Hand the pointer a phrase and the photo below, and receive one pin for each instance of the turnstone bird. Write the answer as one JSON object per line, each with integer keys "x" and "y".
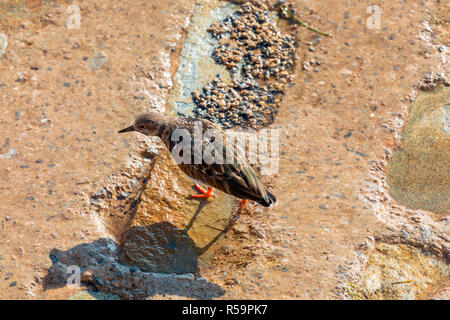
{"x": 233, "y": 175}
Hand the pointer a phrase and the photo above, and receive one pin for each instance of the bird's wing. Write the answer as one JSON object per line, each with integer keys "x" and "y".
{"x": 233, "y": 174}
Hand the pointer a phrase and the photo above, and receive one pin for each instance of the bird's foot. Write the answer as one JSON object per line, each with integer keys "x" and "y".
{"x": 243, "y": 203}
{"x": 205, "y": 194}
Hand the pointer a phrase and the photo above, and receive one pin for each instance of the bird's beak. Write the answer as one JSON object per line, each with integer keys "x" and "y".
{"x": 130, "y": 128}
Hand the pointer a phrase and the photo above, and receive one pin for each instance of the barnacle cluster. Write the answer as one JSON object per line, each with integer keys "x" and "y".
{"x": 260, "y": 61}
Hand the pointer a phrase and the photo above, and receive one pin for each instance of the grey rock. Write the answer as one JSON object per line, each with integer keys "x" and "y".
{"x": 404, "y": 234}
{"x": 425, "y": 232}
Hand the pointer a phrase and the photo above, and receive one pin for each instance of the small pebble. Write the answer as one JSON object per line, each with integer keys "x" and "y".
{"x": 97, "y": 60}
{"x": 122, "y": 196}
{"x": 10, "y": 154}
{"x": 100, "y": 194}
{"x": 227, "y": 249}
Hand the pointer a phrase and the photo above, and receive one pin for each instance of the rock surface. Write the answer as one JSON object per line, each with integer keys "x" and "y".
{"x": 340, "y": 121}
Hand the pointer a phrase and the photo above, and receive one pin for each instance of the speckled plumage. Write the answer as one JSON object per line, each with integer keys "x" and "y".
{"x": 235, "y": 177}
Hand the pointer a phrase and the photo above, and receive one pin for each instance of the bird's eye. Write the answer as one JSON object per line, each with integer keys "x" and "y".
{"x": 141, "y": 127}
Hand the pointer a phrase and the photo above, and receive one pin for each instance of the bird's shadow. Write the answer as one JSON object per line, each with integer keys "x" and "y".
{"x": 158, "y": 259}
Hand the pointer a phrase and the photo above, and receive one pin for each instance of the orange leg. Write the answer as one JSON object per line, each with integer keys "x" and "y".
{"x": 243, "y": 203}
{"x": 205, "y": 194}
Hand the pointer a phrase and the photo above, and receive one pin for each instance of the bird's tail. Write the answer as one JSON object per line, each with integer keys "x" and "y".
{"x": 269, "y": 200}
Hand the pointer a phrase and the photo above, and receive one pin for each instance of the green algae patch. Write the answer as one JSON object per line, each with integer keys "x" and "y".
{"x": 418, "y": 174}
{"x": 400, "y": 272}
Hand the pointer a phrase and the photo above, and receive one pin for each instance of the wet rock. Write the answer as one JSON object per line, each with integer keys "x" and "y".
{"x": 419, "y": 170}
{"x": 345, "y": 73}
{"x": 241, "y": 229}
{"x": 97, "y": 60}
{"x": 160, "y": 248}
{"x": 425, "y": 232}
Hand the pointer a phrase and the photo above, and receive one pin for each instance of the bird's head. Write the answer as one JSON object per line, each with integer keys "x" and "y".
{"x": 149, "y": 124}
